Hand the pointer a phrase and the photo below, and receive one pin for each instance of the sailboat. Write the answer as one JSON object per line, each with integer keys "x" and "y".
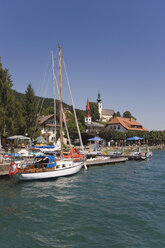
{"x": 47, "y": 166}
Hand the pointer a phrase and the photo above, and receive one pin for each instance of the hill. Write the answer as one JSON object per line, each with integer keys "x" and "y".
{"x": 48, "y": 105}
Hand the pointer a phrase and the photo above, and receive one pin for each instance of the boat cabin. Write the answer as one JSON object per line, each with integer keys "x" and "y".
{"x": 44, "y": 162}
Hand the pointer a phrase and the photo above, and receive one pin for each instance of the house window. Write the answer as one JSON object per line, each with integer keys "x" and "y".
{"x": 115, "y": 127}
{"x": 118, "y": 127}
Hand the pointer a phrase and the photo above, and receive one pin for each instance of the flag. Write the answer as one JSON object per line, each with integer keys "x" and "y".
{"x": 13, "y": 169}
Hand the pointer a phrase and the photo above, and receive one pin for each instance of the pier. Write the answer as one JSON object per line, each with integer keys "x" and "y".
{"x": 100, "y": 161}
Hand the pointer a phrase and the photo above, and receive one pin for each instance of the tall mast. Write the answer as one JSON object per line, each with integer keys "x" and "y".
{"x": 82, "y": 147}
{"x": 60, "y": 100}
{"x": 54, "y": 98}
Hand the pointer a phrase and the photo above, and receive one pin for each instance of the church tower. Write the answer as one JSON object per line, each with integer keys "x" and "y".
{"x": 99, "y": 103}
{"x": 88, "y": 118}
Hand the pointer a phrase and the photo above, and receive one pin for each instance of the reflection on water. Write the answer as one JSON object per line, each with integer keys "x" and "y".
{"x": 61, "y": 189}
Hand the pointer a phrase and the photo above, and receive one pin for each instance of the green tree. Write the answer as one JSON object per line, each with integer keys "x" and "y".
{"x": 19, "y": 120}
{"x": 127, "y": 114}
{"x": 80, "y": 115}
{"x": 116, "y": 114}
{"x": 94, "y": 111}
{"x": 111, "y": 134}
{"x": 30, "y": 112}
{"x": 72, "y": 128}
{"x": 48, "y": 110}
{"x": 6, "y": 103}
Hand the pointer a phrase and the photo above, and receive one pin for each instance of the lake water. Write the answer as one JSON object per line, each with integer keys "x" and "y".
{"x": 121, "y": 205}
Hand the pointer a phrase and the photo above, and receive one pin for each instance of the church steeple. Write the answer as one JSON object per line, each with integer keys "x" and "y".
{"x": 99, "y": 103}
{"x": 88, "y": 110}
{"x": 88, "y": 118}
{"x": 98, "y": 98}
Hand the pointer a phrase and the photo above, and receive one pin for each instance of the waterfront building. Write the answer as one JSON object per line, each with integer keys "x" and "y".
{"x": 125, "y": 124}
{"x": 47, "y": 126}
{"x": 105, "y": 114}
{"x": 92, "y": 128}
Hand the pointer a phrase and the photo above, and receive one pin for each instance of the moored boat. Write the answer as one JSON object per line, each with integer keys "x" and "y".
{"x": 47, "y": 167}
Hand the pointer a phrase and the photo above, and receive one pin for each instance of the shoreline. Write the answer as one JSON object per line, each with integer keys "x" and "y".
{"x": 155, "y": 147}
{"x": 5, "y": 166}
{"x": 158, "y": 147}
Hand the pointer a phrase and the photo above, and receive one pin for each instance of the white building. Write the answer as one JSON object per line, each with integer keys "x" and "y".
{"x": 92, "y": 128}
{"x": 105, "y": 114}
{"x": 47, "y": 127}
{"x": 125, "y": 124}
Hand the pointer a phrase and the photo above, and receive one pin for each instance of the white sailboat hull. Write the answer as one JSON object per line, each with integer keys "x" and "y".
{"x": 58, "y": 172}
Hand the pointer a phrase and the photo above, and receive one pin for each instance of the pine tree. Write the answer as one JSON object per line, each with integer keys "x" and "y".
{"x": 19, "y": 120}
{"x": 30, "y": 112}
{"x": 7, "y": 101}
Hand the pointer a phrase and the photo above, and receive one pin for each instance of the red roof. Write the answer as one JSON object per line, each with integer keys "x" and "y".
{"x": 128, "y": 123}
{"x": 88, "y": 110}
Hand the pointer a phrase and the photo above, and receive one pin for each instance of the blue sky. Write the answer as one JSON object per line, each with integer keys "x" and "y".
{"x": 116, "y": 47}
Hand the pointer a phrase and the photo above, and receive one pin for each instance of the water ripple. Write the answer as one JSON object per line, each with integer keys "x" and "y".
{"x": 110, "y": 206}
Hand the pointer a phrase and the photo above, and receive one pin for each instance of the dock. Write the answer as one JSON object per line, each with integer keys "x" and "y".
{"x": 101, "y": 161}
